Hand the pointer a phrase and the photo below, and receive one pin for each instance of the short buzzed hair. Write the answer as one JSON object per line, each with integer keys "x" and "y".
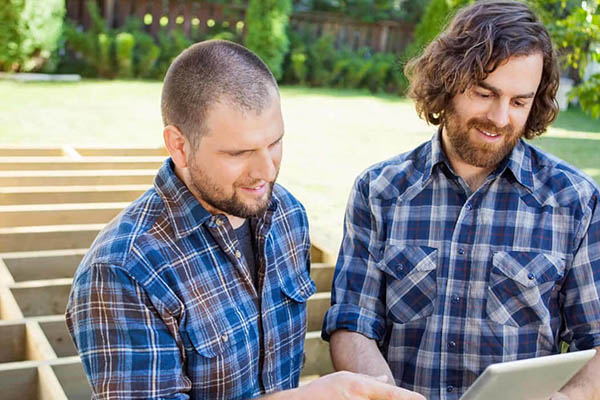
{"x": 209, "y": 72}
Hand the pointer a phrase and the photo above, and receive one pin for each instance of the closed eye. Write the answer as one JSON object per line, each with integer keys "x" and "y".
{"x": 520, "y": 103}
{"x": 484, "y": 95}
{"x": 239, "y": 153}
{"x": 278, "y": 141}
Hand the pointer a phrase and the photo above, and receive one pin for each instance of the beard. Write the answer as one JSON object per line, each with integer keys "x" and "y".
{"x": 482, "y": 155}
{"x": 216, "y": 197}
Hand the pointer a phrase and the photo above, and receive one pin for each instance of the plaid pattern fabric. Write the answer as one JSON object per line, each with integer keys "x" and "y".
{"x": 163, "y": 305}
{"x": 449, "y": 281}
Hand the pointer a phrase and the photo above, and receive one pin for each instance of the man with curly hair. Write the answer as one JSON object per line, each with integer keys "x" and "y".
{"x": 476, "y": 247}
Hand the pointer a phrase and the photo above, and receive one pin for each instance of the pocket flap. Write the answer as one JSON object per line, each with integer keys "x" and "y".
{"x": 528, "y": 268}
{"x": 298, "y": 287}
{"x": 400, "y": 261}
{"x": 212, "y": 337}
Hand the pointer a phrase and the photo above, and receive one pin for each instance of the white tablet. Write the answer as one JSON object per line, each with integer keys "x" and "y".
{"x": 530, "y": 379}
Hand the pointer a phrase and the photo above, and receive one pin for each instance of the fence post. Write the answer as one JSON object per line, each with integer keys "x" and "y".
{"x": 109, "y": 13}
{"x": 140, "y": 9}
{"x": 384, "y": 30}
{"x": 172, "y": 13}
{"x": 157, "y": 13}
{"x": 187, "y": 18}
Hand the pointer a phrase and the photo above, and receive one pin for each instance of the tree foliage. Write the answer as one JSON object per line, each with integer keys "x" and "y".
{"x": 267, "y": 22}
{"x": 368, "y": 10}
{"x": 29, "y": 33}
{"x": 575, "y": 28}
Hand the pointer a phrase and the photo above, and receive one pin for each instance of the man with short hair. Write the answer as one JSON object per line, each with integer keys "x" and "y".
{"x": 476, "y": 247}
{"x": 198, "y": 289}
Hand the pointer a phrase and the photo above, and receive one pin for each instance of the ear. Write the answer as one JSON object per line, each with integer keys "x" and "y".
{"x": 176, "y": 145}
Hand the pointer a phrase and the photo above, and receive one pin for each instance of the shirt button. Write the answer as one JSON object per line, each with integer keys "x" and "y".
{"x": 455, "y": 299}
{"x": 224, "y": 338}
{"x": 461, "y": 251}
{"x": 450, "y": 388}
{"x": 451, "y": 344}
{"x": 400, "y": 267}
{"x": 238, "y": 254}
{"x": 531, "y": 276}
{"x": 219, "y": 222}
{"x": 469, "y": 206}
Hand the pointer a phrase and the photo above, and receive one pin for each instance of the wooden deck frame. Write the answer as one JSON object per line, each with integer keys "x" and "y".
{"x": 53, "y": 203}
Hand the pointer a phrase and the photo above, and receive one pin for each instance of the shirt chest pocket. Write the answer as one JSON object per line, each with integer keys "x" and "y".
{"x": 216, "y": 350}
{"x": 410, "y": 281}
{"x": 521, "y": 287}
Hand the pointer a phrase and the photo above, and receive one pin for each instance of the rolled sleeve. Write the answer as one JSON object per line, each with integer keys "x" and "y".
{"x": 358, "y": 295}
{"x": 582, "y": 286}
{"x": 126, "y": 348}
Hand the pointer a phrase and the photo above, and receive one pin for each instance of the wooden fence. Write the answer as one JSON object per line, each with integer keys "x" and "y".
{"x": 390, "y": 36}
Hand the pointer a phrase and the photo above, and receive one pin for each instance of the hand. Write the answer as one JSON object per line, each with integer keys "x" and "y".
{"x": 559, "y": 396}
{"x": 349, "y": 385}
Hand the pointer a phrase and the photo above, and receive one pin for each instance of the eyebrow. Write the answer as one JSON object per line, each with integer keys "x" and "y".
{"x": 497, "y": 91}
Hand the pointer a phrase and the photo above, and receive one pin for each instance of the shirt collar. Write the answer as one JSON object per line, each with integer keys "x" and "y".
{"x": 436, "y": 156}
{"x": 518, "y": 162}
{"x": 185, "y": 212}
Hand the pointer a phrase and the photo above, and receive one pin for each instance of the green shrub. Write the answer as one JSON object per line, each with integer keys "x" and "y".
{"x": 104, "y": 60}
{"x": 10, "y": 34}
{"x": 318, "y": 62}
{"x": 295, "y": 64}
{"x": 588, "y": 93}
{"x": 170, "y": 43}
{"x": 266, "y": 35}
{"x": 101, "y": 52}
{"x": 81, "y": 51}
{"x": 29, "y": 33}
{"x": 322, "y": 56}
{"x": 124, "y": 45}
{"x": 299, "y": 67}
{"x": 145, "y": 51}
{"x": 145, "y": 54}
{"x": 92, "y": 48}
{"x": 379, "y": 75}
{"x": 350, "y": 69}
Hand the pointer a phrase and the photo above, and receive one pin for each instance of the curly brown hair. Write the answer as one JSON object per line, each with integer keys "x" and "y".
{"x": 479, "y": 39}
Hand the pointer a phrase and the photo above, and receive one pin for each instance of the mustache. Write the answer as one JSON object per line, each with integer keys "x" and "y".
{"x": 487, "y": 125}
{"x": 254, "y": 183}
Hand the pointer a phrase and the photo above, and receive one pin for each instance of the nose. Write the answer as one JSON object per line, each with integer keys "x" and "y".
{"x": 264, "y": 166}
{"x": 499, "y": 113}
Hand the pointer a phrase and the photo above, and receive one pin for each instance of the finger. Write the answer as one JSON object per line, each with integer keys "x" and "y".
{"x": 382, "y": 391}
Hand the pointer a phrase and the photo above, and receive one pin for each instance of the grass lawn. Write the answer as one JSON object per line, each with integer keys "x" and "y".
{"x": 331, "y": 135}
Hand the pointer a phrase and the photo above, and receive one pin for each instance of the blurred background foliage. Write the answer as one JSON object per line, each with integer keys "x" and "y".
{"x": 36, "y": 36}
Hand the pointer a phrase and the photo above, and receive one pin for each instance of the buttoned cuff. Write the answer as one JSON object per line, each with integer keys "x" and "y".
{"x": 353, "y": 318}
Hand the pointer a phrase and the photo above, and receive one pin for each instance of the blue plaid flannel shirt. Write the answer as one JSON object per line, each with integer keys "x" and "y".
{"x": 163, "y": 305}
{"x": 448, "y": 281}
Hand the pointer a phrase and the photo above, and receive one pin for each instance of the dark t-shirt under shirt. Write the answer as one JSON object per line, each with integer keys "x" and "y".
{"x": 246, "y": 239}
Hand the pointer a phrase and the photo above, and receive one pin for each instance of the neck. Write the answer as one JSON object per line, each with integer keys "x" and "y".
{"x": 235, "y": 222}
{"x": 474, "y": 176}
